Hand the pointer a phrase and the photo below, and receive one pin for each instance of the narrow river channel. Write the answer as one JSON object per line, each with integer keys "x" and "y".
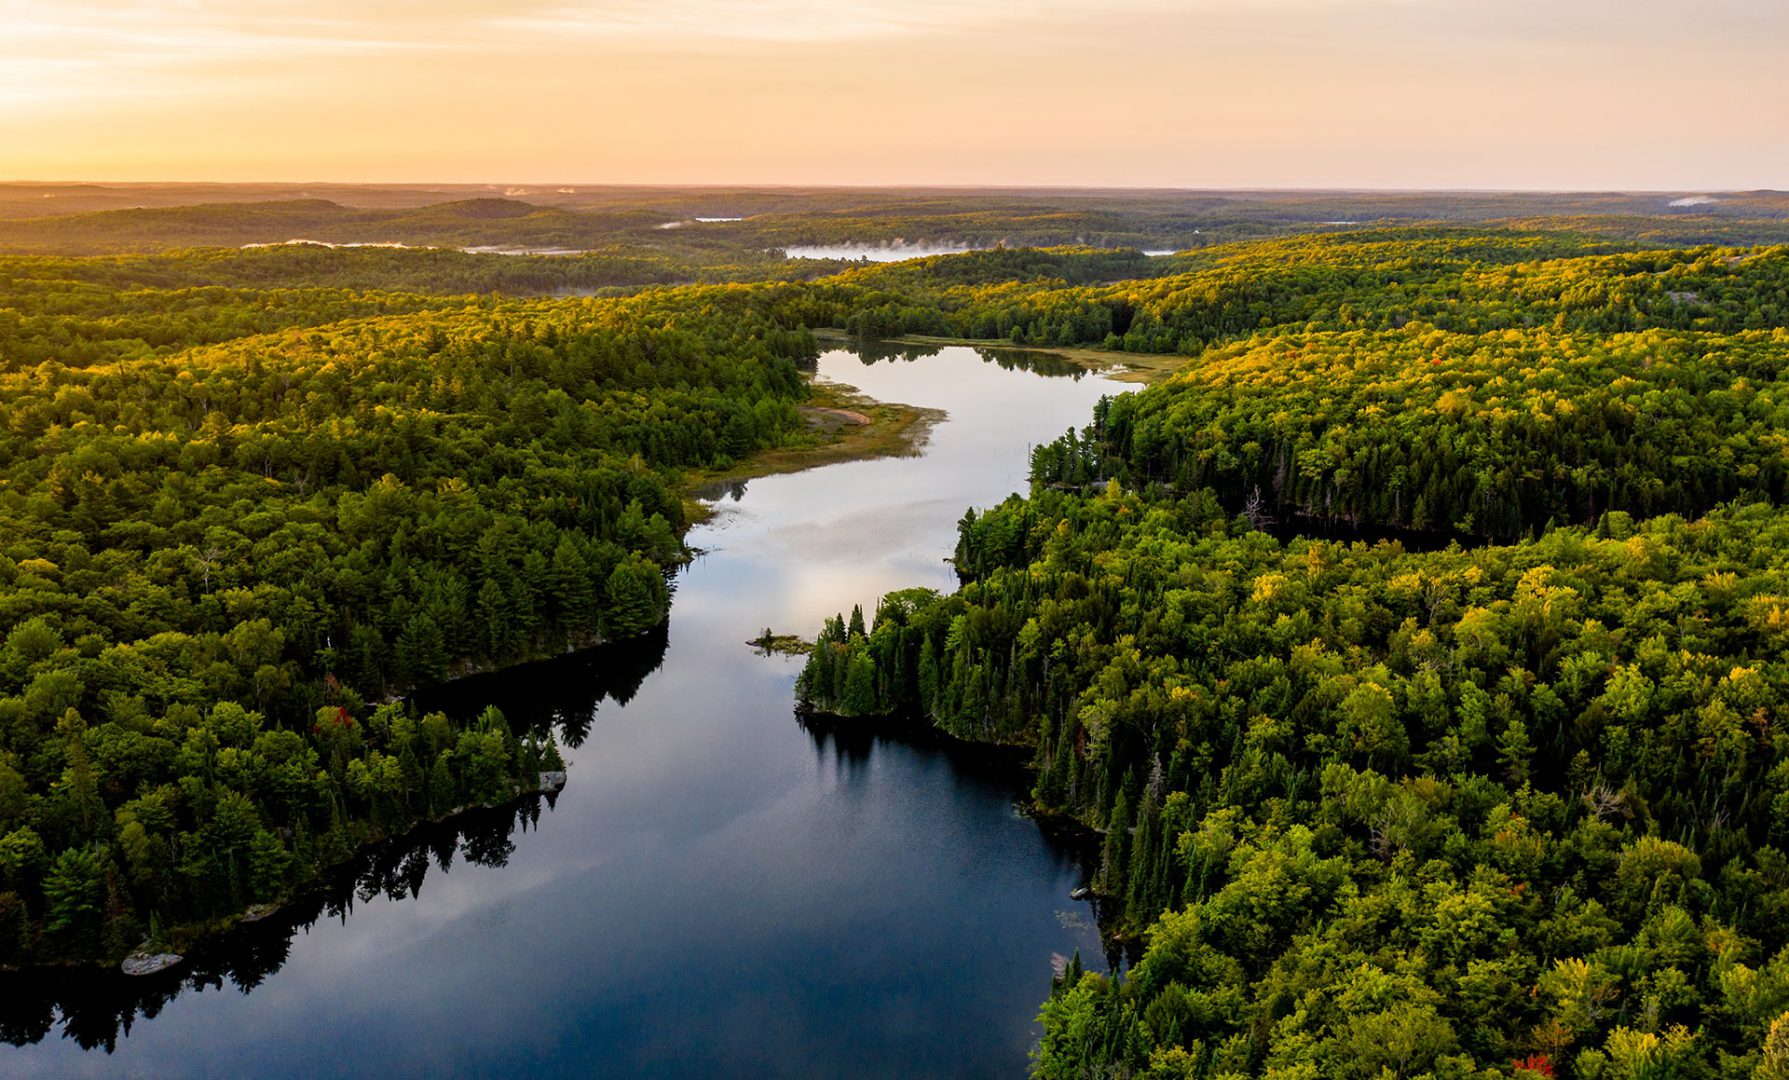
{"x": 720, "y": 891}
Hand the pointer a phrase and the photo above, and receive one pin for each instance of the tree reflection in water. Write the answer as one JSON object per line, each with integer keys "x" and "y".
{"x": 95, "y": 1008}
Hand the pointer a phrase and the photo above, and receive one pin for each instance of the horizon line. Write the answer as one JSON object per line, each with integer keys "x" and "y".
{"x": 906, "y": 186}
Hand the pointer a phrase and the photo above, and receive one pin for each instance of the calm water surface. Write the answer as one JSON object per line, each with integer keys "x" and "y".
{"x": 720, "y": 891}
{"x": 875, "y": 252}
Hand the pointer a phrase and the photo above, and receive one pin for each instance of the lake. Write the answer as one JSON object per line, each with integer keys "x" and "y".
{"x": 894, "y": 252}
{"x": 720, "y": 890}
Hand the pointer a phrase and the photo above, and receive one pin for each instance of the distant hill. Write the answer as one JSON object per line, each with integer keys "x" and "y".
{"x": 88, "y": 219}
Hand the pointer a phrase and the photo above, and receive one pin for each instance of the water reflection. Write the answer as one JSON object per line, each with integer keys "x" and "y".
{"x": 877, "y": 351}
{"x": 96, "y": 1008}
{"x": 1009, "y": 358}
{"x": 851, "y": 743}
{"x": 1036, "y": 361}
{"x": 564, "y": 693}
{"x": 848, "y": 745}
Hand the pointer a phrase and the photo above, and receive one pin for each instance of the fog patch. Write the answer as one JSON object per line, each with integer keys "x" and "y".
{"x": 894, "y": 251}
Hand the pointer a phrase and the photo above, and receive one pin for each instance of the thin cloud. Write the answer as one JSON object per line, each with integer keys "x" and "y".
{"x": 794, "y": 21}
{"x": 96, "y": 50}
{"x": 821, "y": 21}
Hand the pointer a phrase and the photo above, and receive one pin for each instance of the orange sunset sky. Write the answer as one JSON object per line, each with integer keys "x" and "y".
{"x": 1636, "y": 94}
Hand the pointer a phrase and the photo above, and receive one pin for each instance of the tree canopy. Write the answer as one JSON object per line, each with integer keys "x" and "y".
{"x": 235, "y": 522}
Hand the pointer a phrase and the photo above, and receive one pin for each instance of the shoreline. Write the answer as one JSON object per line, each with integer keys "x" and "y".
{"x": 914, "y": 730}
{"x": 892, "y": 429}
{"x": 207, "y": 934}
{"x": 1136, "y": 367}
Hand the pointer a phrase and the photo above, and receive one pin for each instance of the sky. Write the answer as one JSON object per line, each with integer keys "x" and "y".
{"x": 1505, "y": 94}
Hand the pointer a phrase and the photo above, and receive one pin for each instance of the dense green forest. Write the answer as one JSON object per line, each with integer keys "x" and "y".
{"x": 1406, "y": 808}
{"x": 236, "y": 521}
{"x": 1439, "y": 379}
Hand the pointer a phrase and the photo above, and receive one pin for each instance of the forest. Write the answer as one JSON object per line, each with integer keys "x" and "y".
{"x": 237, "y": 524}
{"x": 1497, "y": 791}
{"x": 744, "y": 225}
{"x": 1500, "y": 790}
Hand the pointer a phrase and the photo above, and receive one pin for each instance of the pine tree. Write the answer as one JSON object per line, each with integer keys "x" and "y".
{"x": 928, "y": 678}
{"x": 493, "y": 608}
{"x": 1115, "y": 852}
{"x": 637, "y": 598}
{"x": 859, "y": 696}
{"x": 1147, "y": 891}
{"x": 74, "y": 895}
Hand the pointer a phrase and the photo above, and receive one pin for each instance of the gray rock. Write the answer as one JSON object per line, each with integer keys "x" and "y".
{"x": 146, "y": 963}
{"x": 552, "y": 781}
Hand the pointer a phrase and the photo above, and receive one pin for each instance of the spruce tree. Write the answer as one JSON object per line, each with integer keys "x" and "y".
{"x": 1116, "y": 850}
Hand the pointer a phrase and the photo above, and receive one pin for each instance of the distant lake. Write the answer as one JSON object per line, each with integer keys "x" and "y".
{"x": 483, "y": 249}
{"x": 326, "y": 244}
{"x": 875, "y": 252}
{"x": 721, "y": 890}
{"x": 512, "y": 249}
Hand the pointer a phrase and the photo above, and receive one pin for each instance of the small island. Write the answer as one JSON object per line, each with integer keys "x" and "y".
{"x": 787, "y": 644}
